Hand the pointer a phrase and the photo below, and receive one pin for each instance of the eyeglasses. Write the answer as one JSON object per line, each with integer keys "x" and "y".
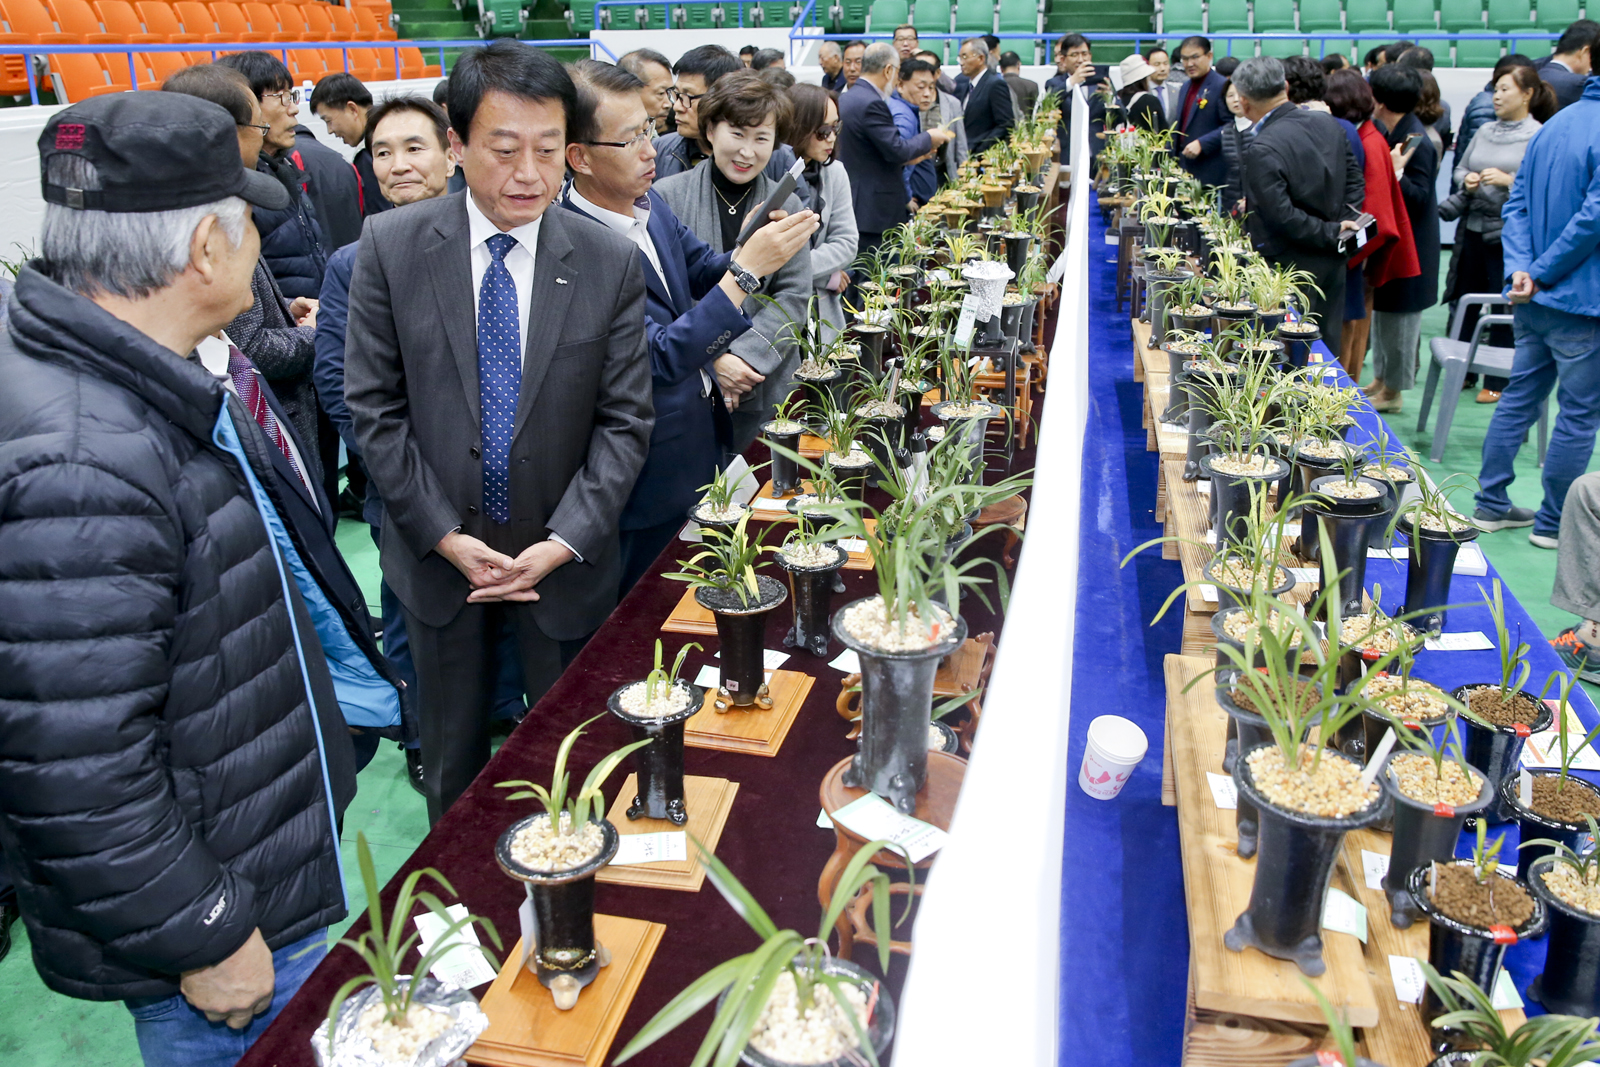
{"x": 638, "y": 140}
{"x": 285, "y": 96}
{"x": 677, "y": 95}
{"x": 263, "y": 127}
{"x": 1194, "y": 58}
{"x": 828, "y": 131}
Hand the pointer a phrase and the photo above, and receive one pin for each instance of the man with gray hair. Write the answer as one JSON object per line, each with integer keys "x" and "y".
{"x": 989, "y": 111}
{"x": 173, "y": 763}
{"x": 1303, "y": 187}
{"x": 832, "y": 62}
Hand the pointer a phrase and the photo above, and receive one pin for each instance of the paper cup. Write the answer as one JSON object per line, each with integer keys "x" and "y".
{"x": 1115, "y": 748}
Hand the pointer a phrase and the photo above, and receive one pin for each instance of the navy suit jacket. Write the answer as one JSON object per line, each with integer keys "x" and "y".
{"x": 988, "y": 114}
{"x": 1209, "y": 115}
{"x": 687, "y": 328}
{"x": 874, "y": 155}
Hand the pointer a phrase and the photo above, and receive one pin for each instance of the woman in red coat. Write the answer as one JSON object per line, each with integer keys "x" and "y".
{"x": 1390, "y": 255}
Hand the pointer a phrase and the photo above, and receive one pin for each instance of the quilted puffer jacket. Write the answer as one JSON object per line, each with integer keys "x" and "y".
{"x": 292, "y": 241}
{"x": 163, "y": 785}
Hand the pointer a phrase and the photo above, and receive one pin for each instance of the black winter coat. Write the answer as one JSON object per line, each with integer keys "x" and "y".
{"x": 1419, "y": 189}
{"x": 161, "y": 790}
{"x": 292, "y": 240}
{"x": 334, "y": 186}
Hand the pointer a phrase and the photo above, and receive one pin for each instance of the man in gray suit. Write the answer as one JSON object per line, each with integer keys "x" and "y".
{"x": 496, "y": 371}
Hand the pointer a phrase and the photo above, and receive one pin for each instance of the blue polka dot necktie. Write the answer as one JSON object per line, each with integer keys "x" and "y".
{"x": 499, "y": 374}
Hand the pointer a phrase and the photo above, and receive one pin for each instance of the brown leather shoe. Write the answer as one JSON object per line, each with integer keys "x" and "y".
{"x": 1488, "y": 396}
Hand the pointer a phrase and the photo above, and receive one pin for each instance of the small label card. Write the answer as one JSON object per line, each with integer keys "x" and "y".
{"x": 771, "y": 659}
{"x": 823, "y": 822}
{"x": 767, "y": 503}
{"x": 463, "y": 965}
{"x": 874, "y": 818}
{"x": 1407, "y": 978}
{"x": 1208, "y": 593}
{"x": 1543, "y": 749}
{"x": 964, "y": 324}
{"x": 1388, "y": 553}
{"x": 940, "y": 276}
{"x": 1374, "y": 865}
{"x": 846, "y": 662}
{"x": 852, "y": 544}
{"x": 1173, "y": 427}
{"x": 1505, "y": 995}
{"x": 1306, "y": 574}
{"x": 1466, "y": 641}
{"x": 1203, "y": 486}
{"x": 1470, "y": 560}
{"x": 661, "y": 847}
{"x": 710, "y": 677}
{"x": 1344, "y": 913}
{"x": 1222, "y": 790}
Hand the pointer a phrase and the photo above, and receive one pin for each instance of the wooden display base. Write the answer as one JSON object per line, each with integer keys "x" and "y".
{"x": 1141, "y": 338}
{"x": 708, "y": 802}
{"x": 776, "y": 514}
{"x": 526, "y": 1029}
{"x": 756, "y": 732}
{"x": 1217, "y": 885}
{"x": 811, "y": 446}
{"x": 690, "y": 618}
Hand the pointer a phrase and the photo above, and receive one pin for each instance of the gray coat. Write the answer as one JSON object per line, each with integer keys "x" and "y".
{"x": 283, "y": 353}
{"x": 1494, "y": 144}
{"x": 769, "y": 346}
{"x": 583, "y": 416}
{"x": 833, "y": 247}
{"x": 954, "y": 152}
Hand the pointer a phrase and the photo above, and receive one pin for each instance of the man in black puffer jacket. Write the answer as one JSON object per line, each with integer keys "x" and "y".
{"x": 173, "y": 763}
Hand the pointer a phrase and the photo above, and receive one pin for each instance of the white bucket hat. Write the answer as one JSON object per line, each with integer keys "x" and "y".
{"x": 1133, "y": 68}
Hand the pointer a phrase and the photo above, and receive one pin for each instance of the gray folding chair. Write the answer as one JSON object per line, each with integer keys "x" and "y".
{"x": 1457, "y": 358}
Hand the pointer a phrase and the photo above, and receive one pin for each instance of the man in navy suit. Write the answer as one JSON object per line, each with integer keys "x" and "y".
{"x": 694, "y": 302}
{"x": 872, "y": 150}
{"x": 988, "y": 113}
{"x": 1569, "y": 66}
{"x": 1201, "y": 113}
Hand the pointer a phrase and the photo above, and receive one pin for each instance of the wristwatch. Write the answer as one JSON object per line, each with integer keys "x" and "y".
{"x": 747, "y": 281}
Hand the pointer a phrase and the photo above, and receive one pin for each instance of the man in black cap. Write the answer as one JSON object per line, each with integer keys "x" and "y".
{"x": 173, "y": 763}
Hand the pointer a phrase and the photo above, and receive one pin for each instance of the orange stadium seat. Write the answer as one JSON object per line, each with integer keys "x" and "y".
{"x": 118, "y": 17}
{"x": 159, "y": 18}
{"x": 317, "y": 20}
{"x": 29, "y": 20}
{"x": 263, "y": 19}
{"x": 76, "y": 16}
{"x": 363, "y": 64}
{"x": 231, "y": 21}
{"x": 83, "y": 75}
{"x": 412, "y": 65}
{"x": 369, "y": 23}
{"x": 196, "y": 17}
{"x": 292, "y": 21}
{"x": 345, "y": 26}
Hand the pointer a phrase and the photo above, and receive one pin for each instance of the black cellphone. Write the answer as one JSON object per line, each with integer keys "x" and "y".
{"x": 774, "y": 202}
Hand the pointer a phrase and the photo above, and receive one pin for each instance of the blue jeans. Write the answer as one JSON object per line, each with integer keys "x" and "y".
{"x": 172, "y": 1033}
{"x": 1552, "y": 347}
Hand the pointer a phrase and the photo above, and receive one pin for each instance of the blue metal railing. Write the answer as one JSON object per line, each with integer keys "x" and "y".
{"x": 28, "y": 51}
{"x": 666, "y": 7}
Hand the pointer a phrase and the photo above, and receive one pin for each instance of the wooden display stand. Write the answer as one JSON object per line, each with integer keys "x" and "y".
{"x": 708, "y": 802}
{"x": 776, "y": 514}
{"x": 936, "y": 804}
{"x": 526, "y": 1029}
{"x": 688, "y": 617}
{"x": 756, "y": 732}
{"x": 811, "y": 446}
{"x": 1217, "y": 884}
{"x": 965, "y": 670}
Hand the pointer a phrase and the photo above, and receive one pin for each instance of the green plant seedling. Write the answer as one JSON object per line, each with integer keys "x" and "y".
{"x": 585, "y": 806}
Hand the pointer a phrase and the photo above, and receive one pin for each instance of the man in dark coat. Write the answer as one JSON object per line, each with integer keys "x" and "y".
{"x": 1202, "y": 111}
{"x": 342, "y": 103}
{"x": 694, "y": 304}
{"x": 1567, "y": 68}
{"x": 1299, "y": 175}
{"x": 986, "y": 108}
{"x": 872, "y": 150}
{"x": 175, "y": 763}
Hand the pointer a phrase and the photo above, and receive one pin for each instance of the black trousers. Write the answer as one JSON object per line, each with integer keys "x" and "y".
{"x": 456, "y": 685}
{"x": 641, "y": 547}
{"x": 1329, "y": 274}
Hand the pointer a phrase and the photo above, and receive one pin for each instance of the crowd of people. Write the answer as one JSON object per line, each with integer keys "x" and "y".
{"x": 515, "y": 336}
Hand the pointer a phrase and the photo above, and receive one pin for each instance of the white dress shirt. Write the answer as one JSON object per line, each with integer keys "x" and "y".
{"x": 519, "y": 263}
{"x": 635, "y": 227}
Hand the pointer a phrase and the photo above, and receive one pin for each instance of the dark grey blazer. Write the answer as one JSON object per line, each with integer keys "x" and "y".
{"x": 583, "y": 415}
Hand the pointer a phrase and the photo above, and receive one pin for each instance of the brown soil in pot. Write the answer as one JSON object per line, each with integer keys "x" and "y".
{"x": 1495, "y": 902}
{"x": 1486, "y": 704}
{"x": 1569, "y": 804}
{"x": 1308, "y": 697}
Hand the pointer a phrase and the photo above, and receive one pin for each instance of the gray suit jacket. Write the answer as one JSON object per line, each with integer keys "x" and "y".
{"x": 769, "y": 346}
{"x": 583, "y": 413}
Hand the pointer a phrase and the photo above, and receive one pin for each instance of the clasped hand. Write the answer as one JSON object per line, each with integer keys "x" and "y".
{"x": 495, "y": 576}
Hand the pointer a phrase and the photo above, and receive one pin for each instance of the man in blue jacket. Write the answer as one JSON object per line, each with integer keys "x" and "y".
{"x": 694, "y": 303}
{"x": 1202, "y": 112}
{"x": 1551, "y": 238}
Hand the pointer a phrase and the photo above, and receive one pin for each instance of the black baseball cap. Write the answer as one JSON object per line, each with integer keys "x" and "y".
{"x": 154, "y": 152}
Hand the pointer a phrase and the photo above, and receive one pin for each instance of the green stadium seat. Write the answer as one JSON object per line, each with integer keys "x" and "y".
{"x": 974, "y": 16}
{"x": 931, "y": 16}
{"x": 1228, "y": 15}
{"x": 698, "y": 16}
{"x": 1019, "y": 16}
{"x": 1180, "y": 16}
{"x": 1320, "y": 15}
{"x": 1411, "y": 16}
{"x": 499, "y": 18}
{"x": 1112, "y": 52}
{"x": 884, "y": 15}
{"x": 1344, "y": 46}
{"x": 1510, "y": 15}
{"x": 1461, "y": 16}
{"x": 774, "y": 13}
{"x": 1478, "y": 53}
{"x": 1366, "y": 16}
{"x": 847, "y": 16}
{"x": 1274, "y": 16}
{"x": 1554, "y": 16}
{"x": 1282, "y": 47}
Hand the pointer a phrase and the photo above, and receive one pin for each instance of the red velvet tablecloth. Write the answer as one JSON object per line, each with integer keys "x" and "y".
{"x": 771, "y": 841}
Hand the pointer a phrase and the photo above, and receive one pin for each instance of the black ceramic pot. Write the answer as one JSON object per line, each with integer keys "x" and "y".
{"x": 1197, "y": 323}
{"x": 1200, "y": 385}
{"x": 821, "y": 390}
{"x": 1011, "y": 321}
{"x": 1029, "y": 311}
{"x": 949, "y": 740}
{"x": 1368, "y": 731}
{"x": 1430, "y": 564}
{"x": 1230, "y": 749}
{"x": 1295, "y": 857}
{"x": 1269, "y": 321}
{"x": 896, "y": 699}
{"x": 659, "y": 764}
{"x": 972, "y": 427}
{"x": 742, "y": 631}
{"x": 881, "y": 435}
{"x": 1570, "y": 982}
{"x": 1027, "y": 199}
{"x": 1307, "y": 469}
{"x": 1158, "y": 288}
{"x": 1382, "y": 534}
{"x": 1228, "y": 325}
{"x": 725, "y": 525}
{"x": 852, "y": 479}
{"x": 1455, "y": 946}
{"x": 1238, "y": 595}
{"x": 1297, "y": 345}
{"x": 566, "y": 956}
{"x": 1017, "y": 250}
{"x": 1231, "y": 495}
{"x": 1250, "y": 731}
{"x": 1423, "y": 833}
{"x": 1532, "y": 826}
{"x": 785, "y": 469}
{"x": 810, "y": 589}
{"x": 1348, "y": 524}
{"x": 1496, "y": 751}
{"x": 871, "y": 339}
{"x": 1178, "y": 382}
